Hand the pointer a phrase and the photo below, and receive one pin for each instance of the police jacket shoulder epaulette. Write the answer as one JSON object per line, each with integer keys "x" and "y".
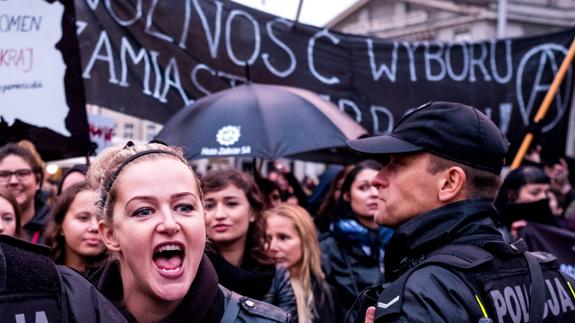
{"x": 240, "y": 308}
{"x": 432, "y": 273}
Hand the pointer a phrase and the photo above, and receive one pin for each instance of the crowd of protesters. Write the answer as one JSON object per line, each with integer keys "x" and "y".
{"x": 162, "y": 243}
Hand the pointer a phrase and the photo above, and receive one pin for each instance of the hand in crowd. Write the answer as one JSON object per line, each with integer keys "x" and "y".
{"x": 559, "y": 174}
{"x": 516, "y": 226}
{"x": 370, "y": 315}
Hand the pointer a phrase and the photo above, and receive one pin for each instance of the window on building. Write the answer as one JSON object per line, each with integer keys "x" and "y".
{"x": 128, "y": 130}
{"x": 151, "y": 132}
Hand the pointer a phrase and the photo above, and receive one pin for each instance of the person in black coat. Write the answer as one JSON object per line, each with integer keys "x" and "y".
{"x": 35, "y": 289}
{"x": 22, "y": 174}
{"x": 236, "y": 231}
{"x": 292, "y": 243}
{"x": 446, "y": 260}
{"x": 152, "y": 220}
{"x": 353, "y": 250}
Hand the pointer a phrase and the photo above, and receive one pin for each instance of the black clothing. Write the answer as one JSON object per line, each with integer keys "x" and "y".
{"x": 34, "y": 289}
{"x": 325, "y": 303}
{"x": 251, "y": 279}
{"x": 34, "y": 229}
{"x": 537, "y": 212}
{"x": 266, "y": 283}
{"x": 435, "y": 293}
{"x": 206, "y": 301}
{"x": 352, "y": 258}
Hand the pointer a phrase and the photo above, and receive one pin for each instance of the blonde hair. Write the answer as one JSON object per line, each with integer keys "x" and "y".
{"x": 104, "y": 171}
{"x": 308, "y": 268}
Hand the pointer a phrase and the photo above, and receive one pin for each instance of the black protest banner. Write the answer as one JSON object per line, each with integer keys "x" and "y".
{"x": 150, "y": 58}
{"x": 41, "y": 91}
{"x": 554, "y": 240}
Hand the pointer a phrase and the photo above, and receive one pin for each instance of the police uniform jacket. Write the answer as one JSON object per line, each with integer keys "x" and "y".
{"x": 438, "y": 293}
{"x": 34, "y": 289}
{"x": 206, "y": 301}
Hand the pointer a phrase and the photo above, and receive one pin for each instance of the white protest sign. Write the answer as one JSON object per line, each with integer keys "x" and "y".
{"x": 31, "y": 67}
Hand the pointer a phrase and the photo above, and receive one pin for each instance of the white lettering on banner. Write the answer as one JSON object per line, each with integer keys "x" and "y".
{"x": 505, "y": 110}
{"x": 378, "y": 129}
{"x": 542, "y": 55}
{"x": 275, "y": 39}
{"x": 438, "y": 61}
{"x": 80, "y": 26}
{"x": 343, "y": 103}
{"x": 172, "y": 78}
{"x": 158, "y": 73}
{"x": 377, "y": 72}
{"x": 93, "y": 4}
{"x": 310, "y": 59}
{"x": 186, "y": 29}
{"x": 411, "y": 47}
{"x": 148, "y": 29}
{"x": 392, "y": 62}
{"x": 126, "y": 49}
{"x": 437, "y": 57}
{"x": 508, "y": 62}
{"x": 233, "y": 80}
{"x": 20, "y": 23}
{"x": 464, "y": 59}
{"x": 256, "y": 38}
{"x": 513, "y": 302}
{"x": 196, "y": 82}
{"x": 479, "y": 62}
{"x": 125, "y": 23}
{"x": 107, "y": 56}
{"x": 212, "y": 38}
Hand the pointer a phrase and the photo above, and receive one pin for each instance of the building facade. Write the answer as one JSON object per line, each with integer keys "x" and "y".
{"x": 461, "y": 20}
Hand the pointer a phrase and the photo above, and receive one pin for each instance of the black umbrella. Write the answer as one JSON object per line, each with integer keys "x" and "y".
{"x": 263, "y": 121}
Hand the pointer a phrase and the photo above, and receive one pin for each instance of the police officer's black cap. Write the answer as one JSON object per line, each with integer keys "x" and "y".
{"x": 451, "y": 130}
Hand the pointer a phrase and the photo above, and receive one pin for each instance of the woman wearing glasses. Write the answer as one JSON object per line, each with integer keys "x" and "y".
{"x": 22, "y": 176}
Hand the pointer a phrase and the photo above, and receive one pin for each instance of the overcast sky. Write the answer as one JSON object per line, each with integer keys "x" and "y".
{"x": 313, "y": 12}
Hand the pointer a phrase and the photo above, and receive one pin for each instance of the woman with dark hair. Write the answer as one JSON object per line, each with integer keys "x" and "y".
{"x": 322, "y": 220}
{"x": 9, "y": 214}
{"x": 353, "y": 249}
{"x": 270, "y": 192}
{"x": 72, "y": 233}
{"x": 522, "y": 197}
{"x": 73, "y": 175}
{"x": 236, "y": 230}
{"x": 22, "y": 175}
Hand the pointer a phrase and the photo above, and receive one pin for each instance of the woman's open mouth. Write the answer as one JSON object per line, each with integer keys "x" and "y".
{"x": 169, "y": 259}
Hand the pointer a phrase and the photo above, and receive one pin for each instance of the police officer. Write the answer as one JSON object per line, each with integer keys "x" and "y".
{"x": 446, "y": 260}
{"x": 34, "y": 289}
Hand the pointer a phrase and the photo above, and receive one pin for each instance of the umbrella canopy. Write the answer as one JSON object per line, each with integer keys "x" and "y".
{"x": 263, "y": 121}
